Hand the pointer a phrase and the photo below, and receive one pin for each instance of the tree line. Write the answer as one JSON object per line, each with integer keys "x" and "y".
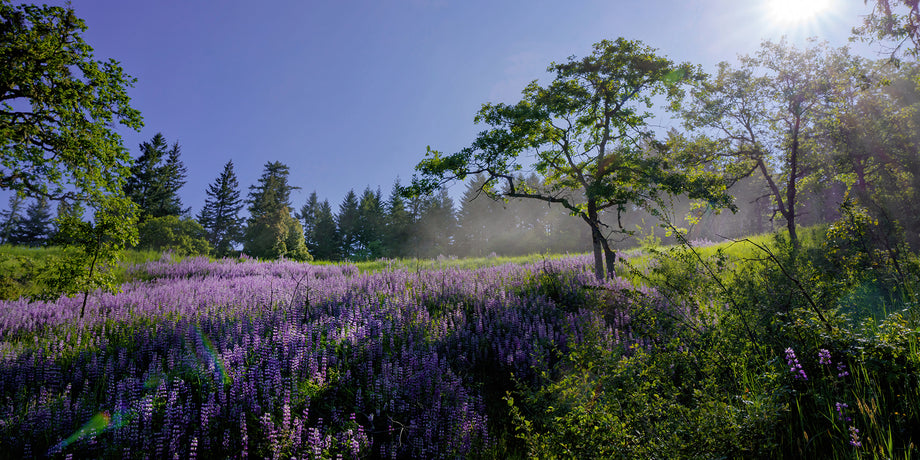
{"x": 364, "y": 226}
{"x": 800, "y": 125}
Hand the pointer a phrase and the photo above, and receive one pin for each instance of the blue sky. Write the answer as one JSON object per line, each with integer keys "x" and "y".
{"x": 349, "y": 93}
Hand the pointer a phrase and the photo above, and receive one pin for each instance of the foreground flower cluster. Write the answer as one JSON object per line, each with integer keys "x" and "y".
{"x": 236, "y": 359}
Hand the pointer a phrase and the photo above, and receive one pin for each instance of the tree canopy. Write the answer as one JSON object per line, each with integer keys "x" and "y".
{"x": 59, "y": 106}
{"x": 586, "y": 134}
{"x": 760, "y": 117}
{"x": 896, "y": 21}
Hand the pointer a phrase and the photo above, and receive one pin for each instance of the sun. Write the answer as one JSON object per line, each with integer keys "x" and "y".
{"x": 796, "y": 12}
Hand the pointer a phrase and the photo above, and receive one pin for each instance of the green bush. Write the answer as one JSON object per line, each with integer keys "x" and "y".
{"x": 184, "y": 236}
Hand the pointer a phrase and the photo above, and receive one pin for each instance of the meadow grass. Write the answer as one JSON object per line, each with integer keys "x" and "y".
{"x": 738, "y": 349}
{"x": 21, "y": 267}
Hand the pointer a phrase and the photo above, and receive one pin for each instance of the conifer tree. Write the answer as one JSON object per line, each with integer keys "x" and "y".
{"x": 324, "y": 236}
{"x": 174, "y": 174}
{"x": 307, "y": 215}
{"x": 437, "y": 225}
{"x": 480, "y": 220}
{"x": 347, "y": 221}
{"x": 271, "y": 232}
{"x": 371, "y": 222}
{"x": 10, "y": 218}
{"x": 398, "y": 232}
{"x": 35, "y": 228}
{"x": 220, "y": 214}
{"x": 156, "y": 178}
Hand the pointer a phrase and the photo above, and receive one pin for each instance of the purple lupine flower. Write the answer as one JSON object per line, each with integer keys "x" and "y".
{"x": 854, "y": 437}
{"x": 794, "y": 365}
{"x": 842, "y": 412}
{"x": 842, "y": 370}
{"x": 824, "y": 356}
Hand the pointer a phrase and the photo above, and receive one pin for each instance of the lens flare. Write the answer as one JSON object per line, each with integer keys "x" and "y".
{"x": 99, "y": 423}
{"x": 212, "y": 356}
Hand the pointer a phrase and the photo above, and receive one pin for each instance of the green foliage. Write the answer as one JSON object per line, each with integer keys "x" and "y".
{"x": 762, "y": 117}
{"x": 35, "y": 228}
{"x": 271, "y": 232}
{"x": 372, "y": 221}
{"x": 893, "y": 21}
{"x": 348, "y": 223}
{"x": 89, "y": 260}
{"x": 276, "y": 235}
{"x": 64, "y": 145}
{"x": 781, "y": 351}
{"x": 183, "y": 236}
{"x": 156, "y": 178}
{"x": 21, "y": 269}
{"x": 220, "y": 214}
{"x": 324, "y": 237}
{"x": 586, "y": 134}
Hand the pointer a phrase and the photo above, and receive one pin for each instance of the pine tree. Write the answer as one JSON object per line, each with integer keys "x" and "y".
{"x": 271, "y": 232}
{"x": 347, "y": 221}
{"x": 10, "y": 218}
{"x": 156, "y": 178}
{"x": 371, "y": 222}
{"x": 174, "y": 174}
{"x": 437, "y": 225}
{"x": 480, "y": 220}
{"x": 35, "y": 228}
{"x": 307, "y": 216}
{"x": 398, "y": 231}
{"x": 325, "y": 236}
{"x": 220, "y": 214}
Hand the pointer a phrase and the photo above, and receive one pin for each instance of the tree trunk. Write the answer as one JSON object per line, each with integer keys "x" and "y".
{"x": 610, "y": 257}
{"x": 596, "y": 241}
{"x": 791, "y": 186}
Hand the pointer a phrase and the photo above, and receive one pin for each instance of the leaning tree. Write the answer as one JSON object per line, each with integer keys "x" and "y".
{"x": 587, "y": 134}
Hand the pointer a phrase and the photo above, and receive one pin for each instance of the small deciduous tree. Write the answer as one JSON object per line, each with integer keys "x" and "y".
{"x": 760, "y": 117}
{"x": 586, "y": 134}
{"x": 94, "y": 250}
{"x": 57, "y": 138}
{"x": 183, "y": 236}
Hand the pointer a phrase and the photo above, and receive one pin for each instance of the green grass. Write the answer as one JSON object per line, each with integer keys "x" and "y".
{"x": 379, "y": 265}
{"x": 20, "y": 267}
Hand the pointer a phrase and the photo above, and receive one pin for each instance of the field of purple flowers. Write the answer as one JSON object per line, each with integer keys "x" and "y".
{"x": 236, "y": 359}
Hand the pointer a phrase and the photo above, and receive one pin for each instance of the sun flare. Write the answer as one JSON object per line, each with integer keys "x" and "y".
{"x": 794, "y": 12}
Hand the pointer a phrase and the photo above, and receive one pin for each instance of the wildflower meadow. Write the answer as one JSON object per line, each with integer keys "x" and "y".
{"x": 238, "y": 358}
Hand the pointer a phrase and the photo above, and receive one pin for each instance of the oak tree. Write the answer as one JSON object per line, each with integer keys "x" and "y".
{"x": 586, "y": 133}
{"x": 58, "y": 106}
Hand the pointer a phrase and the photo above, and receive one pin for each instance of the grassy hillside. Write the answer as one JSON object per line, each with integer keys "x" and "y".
{"x": 21, "y": 268}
